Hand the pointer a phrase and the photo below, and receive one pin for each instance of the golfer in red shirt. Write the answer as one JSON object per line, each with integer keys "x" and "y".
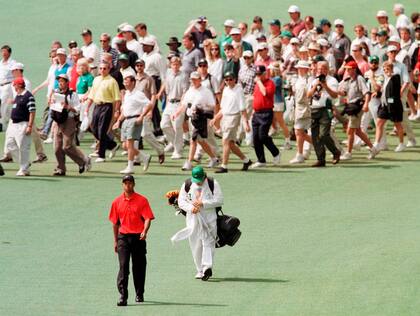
{"x": 130, "y": 215}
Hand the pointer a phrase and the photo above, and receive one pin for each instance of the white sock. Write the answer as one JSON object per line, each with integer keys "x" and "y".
{"x": 287, "y": 140}
{"x": 245, "y": 160}
{"x": 130, "y": 164}
{"x": 224, "y": 166}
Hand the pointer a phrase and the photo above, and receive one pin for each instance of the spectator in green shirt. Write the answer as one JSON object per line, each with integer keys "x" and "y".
{"x": 226, "y": 38}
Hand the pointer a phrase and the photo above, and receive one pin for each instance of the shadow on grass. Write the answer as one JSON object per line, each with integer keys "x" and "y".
{"x": 158, "y": 303}
{"x": 248, "y": 280}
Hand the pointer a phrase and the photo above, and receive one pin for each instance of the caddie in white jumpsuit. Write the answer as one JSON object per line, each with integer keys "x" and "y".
{"x": 200, "y": 204}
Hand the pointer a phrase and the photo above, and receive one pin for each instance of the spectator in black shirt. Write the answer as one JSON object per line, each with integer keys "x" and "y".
{"x": 199, "y": 31}
{"x": 122, "y": 49}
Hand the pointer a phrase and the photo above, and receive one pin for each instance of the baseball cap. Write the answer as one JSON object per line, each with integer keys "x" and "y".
{"x": 394, "y": 38}
{"x": 122, "y": 57}
{"x": 148, "y": 41}
{"x": 261, "y": 37}
{"x": 313, "y": 46}
{"x": 294, "y": 40}
{"x": 198, "y": 175}
{"x": 324, "y": 22}
{"x": 355, "y": 47}
{"x": 128, "y": 72}
{"x": 139, "y": 61}
{"x": 323, "y": 42}
{"x": 195, "y": 75}
{"x": 247, "y": 53}
{"x": 229, "y": 23}
{"x": 382, "y": 33}
{"x": 202, "y": 18}
{"x": 262, "y": 46}
{"x": 17, "y": 66}
{"x": 72, "y": 43}
{"x": 391, "y": 48}
{"x": 318, "y": 58}
{"x": 61, "y": 51}
{"x": 118, "y": 40}
{"x": 62, "y": 76}
{"x": 202, "y": 61}
{"x": 121, "y": 26}
{"x": 128, "y": 28}
{"x": 351, "y": 65}
{"x": 293, "y": 9}
{"x": 86, "y": 31}
{"x": 373, "y": 59}
{"x": 286, "y": 34}
{"x": 19, "y": 81}
{"x": 260, "y": 69}
{"x": 303, "y": 64}
{"x": 128, "y": 177}
{"x": 303, "y": 49}
{"x": 381, "y": 14}
{"x": 338, "y": 22}
{"x": 228, "y": 74}
{"x": 235, "y": 31}
{"x": 275, "y": 22}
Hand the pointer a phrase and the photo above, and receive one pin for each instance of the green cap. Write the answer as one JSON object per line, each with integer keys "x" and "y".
{"x": 382, "y": 33}
{"x": 275, "y": 22}
{"x": 198, "y": 174}
{"x": 319, "y": 58}
{"x": 123, "y": 57}
{"x": 324, "y": 21}
{"x": 286, "y": 34}
{"x": 374, "y": 59}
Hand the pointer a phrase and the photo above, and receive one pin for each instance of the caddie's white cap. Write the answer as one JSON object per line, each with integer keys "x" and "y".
{"x": 247, "y": 53}
{"x": 61, "y": 51}
{"x": 229, "y": 22}
{"x": 149, "y": 41}
{"x": 339, "y": 22}
{"x": 293, "y": 9}
{"x": 17, "y": 66}
{"x": 235, "y": 31}
{"x": 381, "y": 14}
{"x": 128, "y": 28}
{"x": 395, "y": 39}
{"x": 391, "y": 48}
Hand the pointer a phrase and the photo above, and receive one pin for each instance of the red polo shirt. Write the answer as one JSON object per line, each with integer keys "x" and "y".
{"x": 73, "y": 78}
{"x": 263, "y": 103}
{"x": 130, "y": 213}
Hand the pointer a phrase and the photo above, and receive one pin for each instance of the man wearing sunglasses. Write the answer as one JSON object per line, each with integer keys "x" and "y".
{"x": 341, "y": 43}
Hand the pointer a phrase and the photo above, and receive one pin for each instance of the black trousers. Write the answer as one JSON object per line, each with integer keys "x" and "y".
{"x": 320, "y": 129}
{"x": 261, "y": 122}
{"x": 102, "y": 116}
{"x": 130, "y": 245}
{"x": 156, "y": 117}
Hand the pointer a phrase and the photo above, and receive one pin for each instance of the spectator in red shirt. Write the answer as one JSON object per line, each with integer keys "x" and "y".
{"x": 296, "y": 24}
{"x": 76, "y": 54}
{"x": 263, "y": 117}
{"x": 131, "y": 216}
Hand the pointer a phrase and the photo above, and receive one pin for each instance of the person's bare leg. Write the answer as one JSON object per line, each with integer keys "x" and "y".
{"x": 206, "y": 147}
{"x": 278, "y": 116}
{"x": 193, "y": 148}
{"x": 363, "y": 136}
{"x": 236, "y": 150}
{"x": 350, "y": 138}
{"x": 400, "y": 131}
{"x": 226, "y": 151}
{"x": 380, "y": 124}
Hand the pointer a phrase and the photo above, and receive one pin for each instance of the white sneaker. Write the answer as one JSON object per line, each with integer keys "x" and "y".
{"x": 113, "y": 151}
{"x": 382, "y": 147}
{"x": 373, "y": 152}
{"x": 306, "y": 154}
{"x": 176, "y": 156}
{"x": 344, "y": 142}
{"x": 169, "y": 148}
{"x": 213, "y": 163}
{"x": 199, "y": 275}
{"x": 417, "y": 117}
{"x": 411, "y": 143}
{"x": 357, "y": 147}
{"x": 127, "y": 171}
{"x": 276, "y": 160}
{"x": 146, "y": 162}
{"x": 124, "y": 153}
{"x": 298, "y": 159}
{"x": 412, "y": 117}
{"x": 49, "y": 140}
{"x": 258, "y": 164}
{"x": 93, "y": 146}
{"x": 187, "y": 166}
{"x": 287, "y": 146}
{"x": 23, "y": 173}
{"x": 88, "y": 164}
{"x": 346, "y": 156}
{"x": 93, "y": 155}
{"x": 400, "y": 148}
{"x": 99, "y": 160}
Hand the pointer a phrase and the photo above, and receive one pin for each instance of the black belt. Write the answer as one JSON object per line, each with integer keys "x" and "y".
{"x": 102, "y": 103}
{"x": 5, "y": 83}
{"x": 174, "y": 100}
{"x": 131, "y": 116}
{"x": 264, "y": 111}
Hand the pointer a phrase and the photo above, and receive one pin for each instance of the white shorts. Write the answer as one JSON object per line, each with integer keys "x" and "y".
{"x": 303, "y": 123}
{"x": 279, "y": 107}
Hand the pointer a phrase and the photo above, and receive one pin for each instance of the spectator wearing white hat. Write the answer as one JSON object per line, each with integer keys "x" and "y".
{"x": 226, "y": 38}
{"x": 236, "y": 35}
{"x": 132, "y": 43}
{"x": 327, "y": 53}
{"x": 90, "y": 50}
{"x": 302, "y": 112}
{"x": 262, "y": 56}
{"x": 359, "y": 31}
{"x": 303, "y": 53}
{"x": 296, "y": 25}
{"x": 402, "y": 19}
{"x": 382, "y": 18}
{"x": 341, "y": 43}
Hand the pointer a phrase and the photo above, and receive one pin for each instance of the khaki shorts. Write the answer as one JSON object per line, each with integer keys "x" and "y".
{"x": 230, "y": 125}
{"x": 303, "y": 123}
{"x": 129, "y": 130}
{"x": 279, "y": 107}
{"x": 355, "y": 120}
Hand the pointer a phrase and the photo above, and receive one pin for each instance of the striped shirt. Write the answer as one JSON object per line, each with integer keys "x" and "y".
{"x": 246, "y": 78}
{"x": 23, "y": 105}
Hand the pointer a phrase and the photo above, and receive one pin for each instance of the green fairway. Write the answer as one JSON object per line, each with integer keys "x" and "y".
{"x": 344, "y": 240}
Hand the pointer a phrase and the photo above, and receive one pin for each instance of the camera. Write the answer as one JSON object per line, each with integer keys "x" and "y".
{"x": 321, "y": 78}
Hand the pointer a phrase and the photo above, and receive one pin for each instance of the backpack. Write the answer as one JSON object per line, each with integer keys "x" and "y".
{"x": 61, "y": 117}
{"x": 227, "y": 226}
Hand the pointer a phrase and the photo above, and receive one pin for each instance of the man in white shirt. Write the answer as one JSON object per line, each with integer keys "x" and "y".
{"x": 199, "y": 103}
{"x": 90, "y": 51}
{"x": 6, "y": 79}
{"x": 232, "y": 108}
{"x": 402, "y": 19}
{"x": 130, "y": 36}
{"x": 359, "y": 31}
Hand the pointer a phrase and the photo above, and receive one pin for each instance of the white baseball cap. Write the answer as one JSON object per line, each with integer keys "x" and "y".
{"x": 17, "y": 66}
{"x": 128, "y": 72}
{"x": 339, "y": 22}
{"x": 149, "y": 41}
{"x": 395, "y": 39}
{"x": 303, "y": 49}
{"x": 120, "y": 27}
{"x": 261, "y": 46}
{"x": 247, "y": 53}
{"x": 314, "y": 46}
{"x": 128, "y": 28}
{"x": 294, "y": 40}
{"x": 302, "y": 64}
{"x": 293, "y": 9}
{"x": 323, "y": 42}
{"x": 195, "y": 75}
{"x": 235, "y": 31}
{"x": 229, "y": 22}
{"x": 381, "y": 14}
{"x": 391, "y": 48}
{"x": 61, "y": 51}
